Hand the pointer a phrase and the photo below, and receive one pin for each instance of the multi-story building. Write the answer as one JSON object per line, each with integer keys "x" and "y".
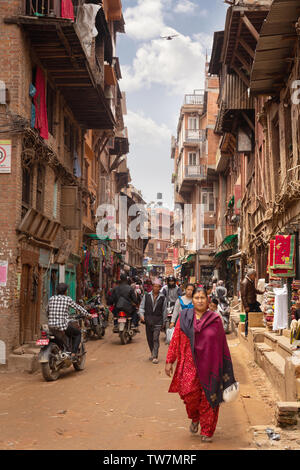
{"x": 258, "y": 155}
{"x": 195, "y": 179}
{"x": 60, "y": 117}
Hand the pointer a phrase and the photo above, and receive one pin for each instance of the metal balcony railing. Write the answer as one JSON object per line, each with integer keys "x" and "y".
{"x": 42, "y": 8}
{"x": 198, "y": 135}
{"x": 195, "y": 171}
{"x": 48, "y": 8}
{"x": 194, "y": 99}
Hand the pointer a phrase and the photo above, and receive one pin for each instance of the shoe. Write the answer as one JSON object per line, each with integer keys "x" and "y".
{"x": 194, "y": 427}
{"x": 206, "y": 439}
{"x": 155, "y": 361}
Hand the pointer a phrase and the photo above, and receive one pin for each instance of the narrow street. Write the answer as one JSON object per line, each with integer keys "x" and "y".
{"x": 121, "y": 401}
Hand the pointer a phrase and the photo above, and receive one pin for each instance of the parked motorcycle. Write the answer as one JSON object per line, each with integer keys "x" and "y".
{"x": 125, "y": 328}
{"x": 53, "y": 355}
{"x": 96, "y": 325}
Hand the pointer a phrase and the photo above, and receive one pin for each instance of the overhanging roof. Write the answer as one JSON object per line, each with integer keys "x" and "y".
{"x": 215, "y": 61}
{"x": 57, "y": 44}
{"x": 275, "y": 47}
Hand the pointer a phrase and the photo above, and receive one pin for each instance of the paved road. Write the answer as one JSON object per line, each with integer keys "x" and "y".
{"x": 121, "y": 401}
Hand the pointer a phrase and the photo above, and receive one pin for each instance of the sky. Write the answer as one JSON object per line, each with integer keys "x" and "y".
{"x": 156, "y": 74}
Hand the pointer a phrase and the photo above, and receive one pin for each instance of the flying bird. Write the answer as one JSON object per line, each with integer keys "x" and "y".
{"x": 169, "y": 38}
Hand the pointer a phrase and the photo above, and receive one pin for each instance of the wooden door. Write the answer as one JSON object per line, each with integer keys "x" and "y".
{"x": 31, "y": 292}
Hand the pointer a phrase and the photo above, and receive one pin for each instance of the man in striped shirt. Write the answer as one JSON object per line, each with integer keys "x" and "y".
{"x": 59, "y": 317}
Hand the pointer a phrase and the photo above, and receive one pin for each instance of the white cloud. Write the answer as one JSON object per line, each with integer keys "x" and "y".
{"x": 185, "y": 6}
{"x": 143, "y": 129}
{"x": 145, "y": 20}
{"x": 177, "y": 64}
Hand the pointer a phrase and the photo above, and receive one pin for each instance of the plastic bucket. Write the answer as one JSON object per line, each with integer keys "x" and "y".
{"x": 242, "y": 317}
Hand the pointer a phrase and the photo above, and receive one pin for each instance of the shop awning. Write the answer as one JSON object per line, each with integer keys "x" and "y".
{"x": 229, "y": 239}
{"x": 275, "y": 47}
{"x": 222, "y": 253}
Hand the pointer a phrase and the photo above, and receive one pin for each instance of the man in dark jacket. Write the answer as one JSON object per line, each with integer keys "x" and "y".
{"x": 248, "y": 294}
{"x": 153, "y": 311}
{"x": 124, "y": 299}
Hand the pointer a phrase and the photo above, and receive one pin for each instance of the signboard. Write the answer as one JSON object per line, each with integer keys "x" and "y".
{"x": 3, "y": 273}
{"x": 5, "y": 156}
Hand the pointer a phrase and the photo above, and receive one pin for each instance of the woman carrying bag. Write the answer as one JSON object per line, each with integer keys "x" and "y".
{"x": 204, "y": 375}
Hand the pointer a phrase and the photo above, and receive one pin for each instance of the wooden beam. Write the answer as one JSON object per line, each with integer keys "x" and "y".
{"x": 243, "y": 61}
{"x": 241, "y": 75}
{"x": 236, "y": 42}
{"x": 250, "y": 26}
{"x": 247, "y": 47}
{"x": 248, "y": 120}
{"x": 66, "y": 46}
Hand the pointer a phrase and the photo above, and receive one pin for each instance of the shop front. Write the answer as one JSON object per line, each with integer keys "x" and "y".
{"x": 282, "y": 295}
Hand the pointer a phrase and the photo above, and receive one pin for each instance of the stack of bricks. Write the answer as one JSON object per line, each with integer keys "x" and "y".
{"x": 288, "y": 414}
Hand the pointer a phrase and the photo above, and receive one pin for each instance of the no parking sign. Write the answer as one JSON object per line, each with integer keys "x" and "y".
{"x": 5, "y": 156}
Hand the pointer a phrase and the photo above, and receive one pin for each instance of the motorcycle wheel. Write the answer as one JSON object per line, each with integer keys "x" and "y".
{"x": 49, "y": 371}
{"x": 80, "y": 364}
{"x": 124, "y": 337}
{"x": 103, "y": 331}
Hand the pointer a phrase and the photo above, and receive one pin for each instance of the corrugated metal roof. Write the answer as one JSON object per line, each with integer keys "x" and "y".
{"x": 275, "y": 46}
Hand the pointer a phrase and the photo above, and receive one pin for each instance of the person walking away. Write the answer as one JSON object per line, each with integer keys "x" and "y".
{"x": 199, "y": 334}
{"x": 153, "y": 312}
{"x": 248, "y": 294}
{"x": 58, "y": 312}
{"x": 183, "y": 302}
{"x": 124, "y": 300}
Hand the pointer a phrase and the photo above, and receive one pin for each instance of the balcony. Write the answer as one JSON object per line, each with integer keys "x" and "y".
{"x": 189, "y": 176}
{"x": 195, "y": 135}
{"x": 59, "y": 46}
{"x": 195, "y": 99}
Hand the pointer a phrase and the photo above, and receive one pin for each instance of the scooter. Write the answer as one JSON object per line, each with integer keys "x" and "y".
{"x": 53, "y": 355}
{"x": 125, "y": 328}
{"x": 224, "y": 310}
{"x": 170, "y": 309}
{"x": 96, "y": 325}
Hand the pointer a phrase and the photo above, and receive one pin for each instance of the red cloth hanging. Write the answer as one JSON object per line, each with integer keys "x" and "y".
{"x": 67, "y": 9}
{"x": 41, "y": 120}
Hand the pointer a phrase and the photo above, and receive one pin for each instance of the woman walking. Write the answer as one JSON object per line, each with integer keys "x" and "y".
{"x": 204, "y": 368}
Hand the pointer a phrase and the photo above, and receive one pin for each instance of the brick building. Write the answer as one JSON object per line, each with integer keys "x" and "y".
{"x": 195, "y": 179}
{"x": 62, "y": 129}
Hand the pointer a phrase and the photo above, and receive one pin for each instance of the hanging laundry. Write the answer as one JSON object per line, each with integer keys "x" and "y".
{"x": 280, "y": 309}
{"x": 67, "y": 9}
{"x": 76, "y": 166}
{"x": 32, "y": 93}
{"x": 41, "y": 120}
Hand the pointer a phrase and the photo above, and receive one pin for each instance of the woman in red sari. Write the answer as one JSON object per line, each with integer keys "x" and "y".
{"x": 204, "y": 367}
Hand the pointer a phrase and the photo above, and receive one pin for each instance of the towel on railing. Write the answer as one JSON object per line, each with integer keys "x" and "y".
{"x": 67, "y": 9}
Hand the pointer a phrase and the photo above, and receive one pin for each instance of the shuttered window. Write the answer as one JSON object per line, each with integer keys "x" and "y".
{"x": 70, "y": 208}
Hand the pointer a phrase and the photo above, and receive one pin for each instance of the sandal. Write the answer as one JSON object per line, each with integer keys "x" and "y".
{"x": 206, "y": 439}
{"x": 194, "y": 427}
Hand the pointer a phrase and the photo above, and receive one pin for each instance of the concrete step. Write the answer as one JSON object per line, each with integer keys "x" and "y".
{"x": 274, "y": 367}
{"x": 280, "y": 344}
{"x": 23, "y": 362}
